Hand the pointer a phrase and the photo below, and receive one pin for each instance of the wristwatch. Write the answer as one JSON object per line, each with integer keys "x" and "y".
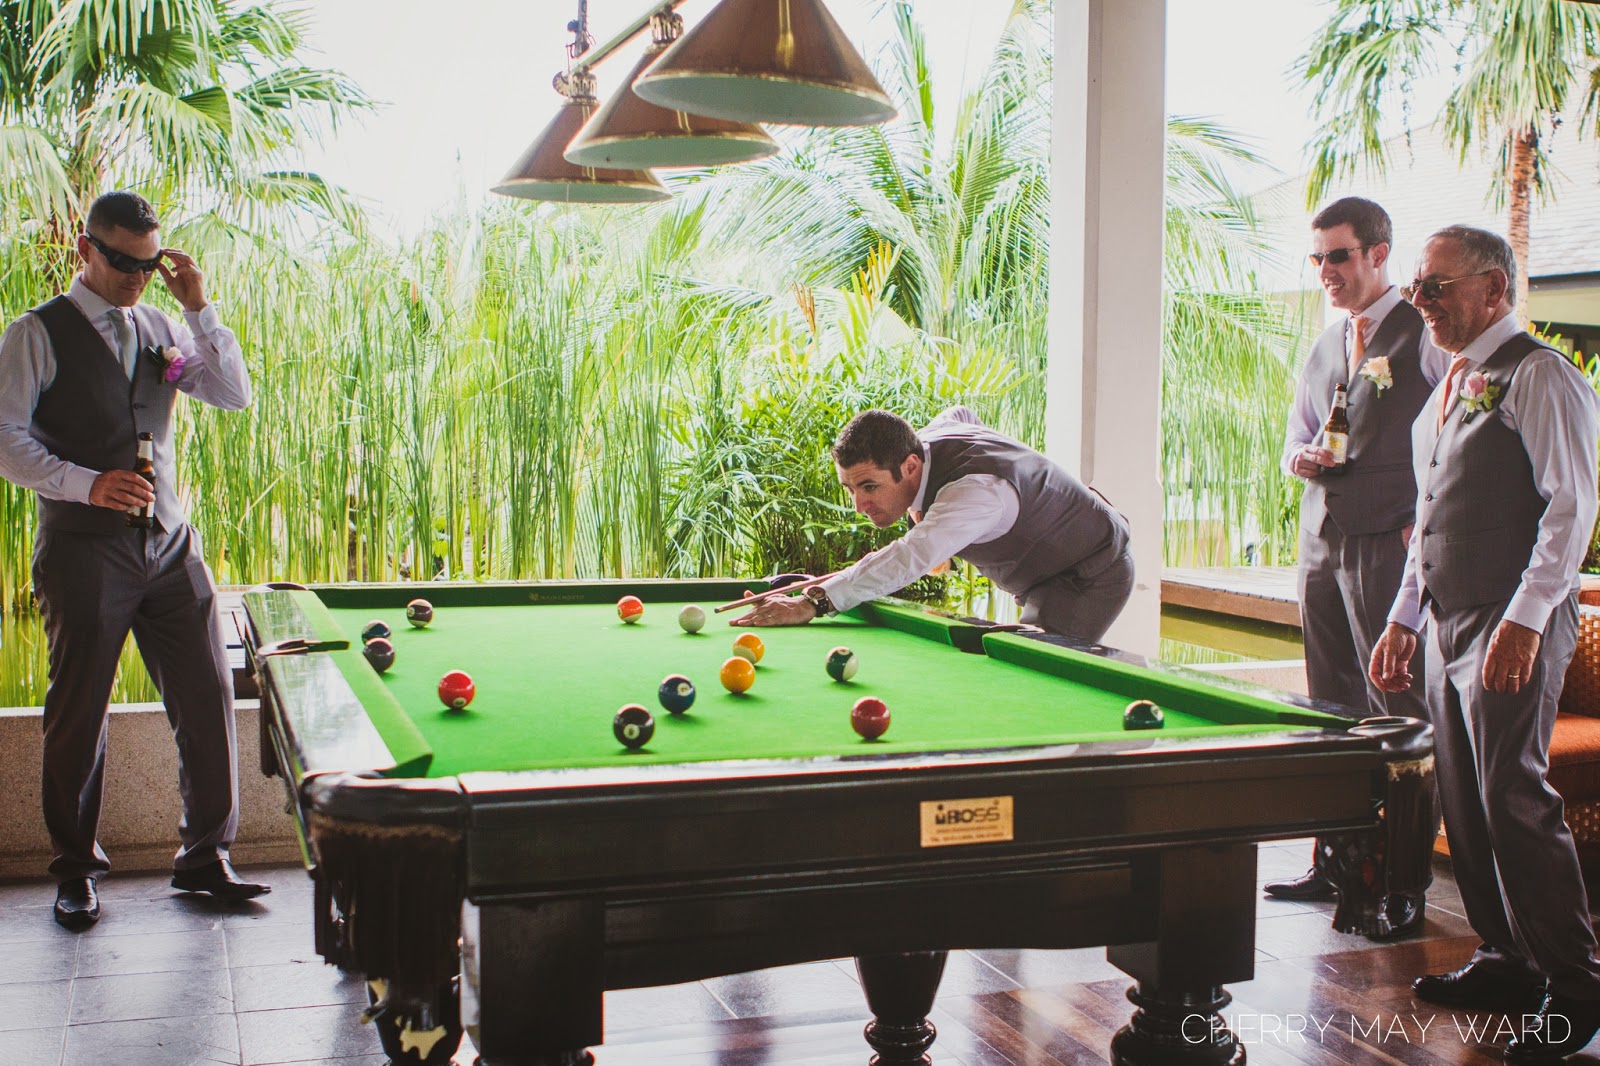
{"x": 819, "y": 601}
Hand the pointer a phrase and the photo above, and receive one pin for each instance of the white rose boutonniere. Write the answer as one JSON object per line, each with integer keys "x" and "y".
{"x": 1376, "y": 370}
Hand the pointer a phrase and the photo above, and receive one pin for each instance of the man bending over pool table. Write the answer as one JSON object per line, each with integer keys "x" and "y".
{"x": 1030, "y": 527}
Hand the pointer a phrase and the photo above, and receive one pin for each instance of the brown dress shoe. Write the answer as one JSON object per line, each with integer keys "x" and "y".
{"x": 77, "y": 903}
{"x": 1561, "y": 1027}
{"x": 1311, "y": 887}
{"x": 1474, "y": 988}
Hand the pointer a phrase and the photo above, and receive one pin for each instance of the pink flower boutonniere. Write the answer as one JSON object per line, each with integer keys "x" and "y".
{"x": 174, "y": 360}
{"x": 1478, "y": 393}
{"x": 1376, "y": 370}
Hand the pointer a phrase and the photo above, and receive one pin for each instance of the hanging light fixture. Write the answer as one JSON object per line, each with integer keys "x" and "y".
{"x": 543, "y": 172}
{"x": 782, "y": 61}
{"x": 630, "y": 132}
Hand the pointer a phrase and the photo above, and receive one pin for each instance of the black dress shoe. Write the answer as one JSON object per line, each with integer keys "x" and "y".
{"x": 218, "y": 879}
{"x": 1310, "y": 888}
{"x": 77, "y": 903}
{"x": 1561, "y": 1027}
{"x": 1474, "y": 988}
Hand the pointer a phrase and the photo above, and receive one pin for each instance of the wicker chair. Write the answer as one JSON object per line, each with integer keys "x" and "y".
{"x": 1575, "y": 744}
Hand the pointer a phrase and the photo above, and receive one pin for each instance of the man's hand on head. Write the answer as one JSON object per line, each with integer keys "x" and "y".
{"x": 121, "y": 490}
{"x": 183, "y": 279}
{"x": 779, "y": 609}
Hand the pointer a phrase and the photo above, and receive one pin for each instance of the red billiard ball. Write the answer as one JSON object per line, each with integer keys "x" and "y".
{"x": 870, "y": 717}
{"x": 456, "y": 690}
{"x": 630, "y": 609}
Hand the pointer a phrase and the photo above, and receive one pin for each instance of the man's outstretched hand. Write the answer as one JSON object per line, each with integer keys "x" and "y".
{"x": 779, "y": 609}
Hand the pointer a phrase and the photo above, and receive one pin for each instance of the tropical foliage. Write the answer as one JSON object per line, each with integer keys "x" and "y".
{"x": 1519, "y": 67}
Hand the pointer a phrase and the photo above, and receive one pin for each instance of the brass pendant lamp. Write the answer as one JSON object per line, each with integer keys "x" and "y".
{"x": 543, "y": 172}
{"x": 779, "y": 61}
{"x": 628, "y": 132}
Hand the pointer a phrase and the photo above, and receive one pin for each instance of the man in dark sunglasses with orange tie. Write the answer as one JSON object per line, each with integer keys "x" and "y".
{"x": 1355, "y": 517}
{"x": 83, "y": 377}
{"x": 1505, "y": 455}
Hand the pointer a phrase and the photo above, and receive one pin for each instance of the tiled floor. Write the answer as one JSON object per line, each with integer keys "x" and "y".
{"x": 171, "y": 980}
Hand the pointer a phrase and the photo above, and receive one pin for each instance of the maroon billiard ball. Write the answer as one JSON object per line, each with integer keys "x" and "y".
{"x": 456, "y": 690}
{"x": 870, "y": 717}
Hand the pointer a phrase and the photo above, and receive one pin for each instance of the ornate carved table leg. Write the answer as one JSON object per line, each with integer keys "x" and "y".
{"x": 900, "y": 991}
{"x": 1186, "y": 1029}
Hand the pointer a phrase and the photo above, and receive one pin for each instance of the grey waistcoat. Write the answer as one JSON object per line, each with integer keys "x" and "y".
{"x": 91, "y": 415}
{"x": 1480, "y": 508}
{"x": 1377, "y": 491}
{"x": 1062, "y": 526}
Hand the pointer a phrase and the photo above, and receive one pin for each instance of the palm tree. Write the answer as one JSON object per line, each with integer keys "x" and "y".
{"x": 1521, "y": 61}
{"x": 189, "y": 101}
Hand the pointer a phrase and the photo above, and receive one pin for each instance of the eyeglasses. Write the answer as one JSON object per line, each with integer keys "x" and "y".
{"x": 1432, "y": 290}
{"x": 1337, "y": 256}
{"x": 123, "y": 261}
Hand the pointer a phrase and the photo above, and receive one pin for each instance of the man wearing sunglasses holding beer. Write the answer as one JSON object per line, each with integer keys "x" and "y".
{"x": 81, "y": 378}
{"x": 1505, "y": 456}
{"x": 1355, "y": 516}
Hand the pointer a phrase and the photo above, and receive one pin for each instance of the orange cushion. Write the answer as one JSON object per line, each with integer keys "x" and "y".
{"x": 1575, "y": 757}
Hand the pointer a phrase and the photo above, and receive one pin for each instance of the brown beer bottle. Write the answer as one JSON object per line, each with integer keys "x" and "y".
{"x": 145, "y": 466}
{"x": 1336, "y": 430}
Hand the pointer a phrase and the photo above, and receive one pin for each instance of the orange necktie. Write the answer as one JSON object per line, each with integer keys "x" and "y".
{"x": 1358, "y": 346}
{"x": 1448, "y": 397}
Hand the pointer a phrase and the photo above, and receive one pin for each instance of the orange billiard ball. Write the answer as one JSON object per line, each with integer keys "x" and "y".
{"x": 738, "y": 674}
{"x": 456, "y": 690}
{"x": 630, "y": 609}
{"x": 749, "y": 646}
{"x": 870, "y": 717}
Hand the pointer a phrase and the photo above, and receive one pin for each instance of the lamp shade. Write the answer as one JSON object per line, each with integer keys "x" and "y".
{"x": 628, "y": 132}
{"x": 543, "y": 173}
{"x": 780, "y": 61}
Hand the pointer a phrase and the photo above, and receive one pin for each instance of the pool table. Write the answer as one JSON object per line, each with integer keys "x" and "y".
{"x": 517, "y": 854}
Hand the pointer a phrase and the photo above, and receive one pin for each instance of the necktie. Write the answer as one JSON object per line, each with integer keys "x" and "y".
{"x": 1358, "y": 346}
{"x": 126, "y": 349}
{"x": 1448, "y": 397}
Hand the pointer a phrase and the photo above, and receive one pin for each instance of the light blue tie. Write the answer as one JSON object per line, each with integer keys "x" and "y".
{"x": 127, "y": 351}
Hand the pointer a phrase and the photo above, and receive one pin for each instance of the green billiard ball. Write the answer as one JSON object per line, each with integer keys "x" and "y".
{"x": 376, "y": 628}
{"x": 380, "y": 653}
{"x": 842, "y": 665}
{"x": 633, "y": 726}
{"x": 676, "y": 693}
{"x": 1142, "y": 714}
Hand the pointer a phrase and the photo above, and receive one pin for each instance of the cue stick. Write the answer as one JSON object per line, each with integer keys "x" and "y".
{"x": 798, "y": 586}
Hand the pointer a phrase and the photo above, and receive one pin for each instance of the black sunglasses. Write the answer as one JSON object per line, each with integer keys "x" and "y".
{"x": 1337, "y": 255}
{"x": 123, "y": 261}
{"x": 1432, "y": 290}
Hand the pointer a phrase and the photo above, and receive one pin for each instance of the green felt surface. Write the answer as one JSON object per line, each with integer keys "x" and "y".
{"x": 550, "y": 679}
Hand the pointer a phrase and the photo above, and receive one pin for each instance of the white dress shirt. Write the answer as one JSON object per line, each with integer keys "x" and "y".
{"x": 1552, "y": 408}
{"x": 214, "y": 372}
{"x": 969, "y": 510}
{"x": 1305, "y": 422}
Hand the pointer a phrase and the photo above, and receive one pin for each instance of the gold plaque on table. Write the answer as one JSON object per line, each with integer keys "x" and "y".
{"x": 967, "y": 821}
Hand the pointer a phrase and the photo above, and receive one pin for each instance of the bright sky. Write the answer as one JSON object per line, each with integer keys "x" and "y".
{"x": 467, "y": 91}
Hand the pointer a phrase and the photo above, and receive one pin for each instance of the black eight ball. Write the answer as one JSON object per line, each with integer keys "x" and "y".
{"x": 633, "y": 726}
{"x": 1142, "y": 714}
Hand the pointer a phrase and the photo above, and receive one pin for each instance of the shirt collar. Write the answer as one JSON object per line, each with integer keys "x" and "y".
{"x": 1489, "y": 341}
{"x": 1378, "y": 309}
{"x": 916, "y": 504}
{"x": 92, "y": 304}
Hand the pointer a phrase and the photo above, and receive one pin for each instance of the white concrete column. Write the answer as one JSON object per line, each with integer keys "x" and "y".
{"x": 1103, "y": 410}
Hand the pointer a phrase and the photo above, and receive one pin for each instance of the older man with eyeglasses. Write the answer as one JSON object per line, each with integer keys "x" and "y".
{"x": 81, "y": 377}
{"x": 1505, "y": 456}
{"x": 1355, "y": 518}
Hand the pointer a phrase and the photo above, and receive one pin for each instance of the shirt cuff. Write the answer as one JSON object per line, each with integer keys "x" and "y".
{"x": 1409, "y": 615}
{"x": 1528, "y": 610}
{"x": 203, "y": 321}
{"x": 838, "y": 590}
{"x": 78, "y": 482}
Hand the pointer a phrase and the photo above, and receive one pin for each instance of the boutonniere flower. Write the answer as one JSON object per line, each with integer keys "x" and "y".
{"x": 1376, "y": 370}
{"x": 1477, "y": 393}
{"x": 172, "y": 361}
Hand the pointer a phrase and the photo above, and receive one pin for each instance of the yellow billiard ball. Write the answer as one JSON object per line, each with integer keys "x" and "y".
{"x": 738, "y": 674}
{"x": 749, "y": 646}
